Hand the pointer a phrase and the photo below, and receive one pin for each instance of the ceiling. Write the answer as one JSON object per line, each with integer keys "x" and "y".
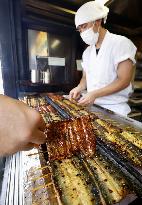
{"x": 125, "y": 16}
{"x": 126, "y": 13}
{"x": 129, "y": 10}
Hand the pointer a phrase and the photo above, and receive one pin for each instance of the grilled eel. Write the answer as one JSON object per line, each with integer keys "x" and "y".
{"x": 110, "y": 180}
{"x": 135, "y": 138}
{"x": 72, "y": 184}
{"x": 122, "y": 145}
{"x": 132, "y": 136}
{"x": 89, "y": 181}
{"x": 70, "y": 107}
{"x": 49, "y": 114}
{"x": 65, "y": 138}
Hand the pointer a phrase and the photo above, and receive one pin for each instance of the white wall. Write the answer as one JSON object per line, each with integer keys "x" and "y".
{"x": 1, "y": 80}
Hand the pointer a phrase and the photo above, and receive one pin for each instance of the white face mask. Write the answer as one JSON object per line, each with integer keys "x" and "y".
{"x": 89, "y": 37}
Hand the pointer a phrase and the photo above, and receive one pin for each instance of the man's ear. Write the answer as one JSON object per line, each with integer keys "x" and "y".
{"x": 98, "y": 22}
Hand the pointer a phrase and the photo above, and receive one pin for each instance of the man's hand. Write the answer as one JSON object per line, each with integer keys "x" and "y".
{"x": 75, "y": 93}
{"x": 87, "y": 99}
{"x": 21, "y": 127}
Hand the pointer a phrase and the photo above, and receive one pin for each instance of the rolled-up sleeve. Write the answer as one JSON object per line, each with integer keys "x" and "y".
{"x": 124, "y": 50}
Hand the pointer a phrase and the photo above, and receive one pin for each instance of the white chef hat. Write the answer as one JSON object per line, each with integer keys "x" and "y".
{"x": 91, "y": 11}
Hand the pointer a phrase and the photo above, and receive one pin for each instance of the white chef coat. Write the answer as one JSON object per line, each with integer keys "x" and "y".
{"x": 101, "y": 70}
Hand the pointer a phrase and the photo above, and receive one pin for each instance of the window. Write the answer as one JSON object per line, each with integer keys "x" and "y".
{"x": 37, "y": 46}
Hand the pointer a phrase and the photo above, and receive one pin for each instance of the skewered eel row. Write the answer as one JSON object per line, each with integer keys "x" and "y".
{"x": 80, "y": 130}
{"x": 79, "y": 179}
{"x": 75, "y": 134}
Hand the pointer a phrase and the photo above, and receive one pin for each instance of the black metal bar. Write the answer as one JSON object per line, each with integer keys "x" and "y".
{"x": 58, "y": 108}
{"x": 121, "y": 160}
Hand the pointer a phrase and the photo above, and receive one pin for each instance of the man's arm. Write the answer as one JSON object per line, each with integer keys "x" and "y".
{"x": 82, "y": 85}
{"x": 75, "y": 92}
{"x": 124, "y": 76}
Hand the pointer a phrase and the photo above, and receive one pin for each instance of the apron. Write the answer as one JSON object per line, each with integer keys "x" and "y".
{"x": 121, "y": 108}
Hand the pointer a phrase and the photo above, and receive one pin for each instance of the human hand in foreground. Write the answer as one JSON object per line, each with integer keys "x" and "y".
{"x": 21, "y": 127}
{"x": 87, "y": 99}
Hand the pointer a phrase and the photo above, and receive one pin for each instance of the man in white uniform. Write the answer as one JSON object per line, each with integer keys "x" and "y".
{"x": 107, "y": 61}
